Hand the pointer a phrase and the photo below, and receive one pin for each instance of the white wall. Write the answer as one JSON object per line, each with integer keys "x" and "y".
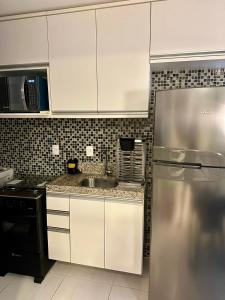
{"x": 11, "y": 7}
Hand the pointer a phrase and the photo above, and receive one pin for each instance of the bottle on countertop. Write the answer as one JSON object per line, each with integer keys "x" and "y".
{"x": 72, "y": 166}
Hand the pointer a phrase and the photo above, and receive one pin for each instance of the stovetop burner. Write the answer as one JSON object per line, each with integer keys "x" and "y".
{"x": 21, "y": 192}
{"x": 30, "y": 181}
{"x": 25, "y": 186}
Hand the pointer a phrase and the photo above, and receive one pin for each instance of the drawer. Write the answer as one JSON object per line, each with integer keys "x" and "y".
{"x": 59, "y": 244}
{"x": 58, "y": 219}
{"x": 58, "y": 202}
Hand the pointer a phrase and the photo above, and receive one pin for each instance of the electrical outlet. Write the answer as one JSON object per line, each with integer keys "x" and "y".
{"x": 90, "y": 151}
{"x": 55, "y": 149}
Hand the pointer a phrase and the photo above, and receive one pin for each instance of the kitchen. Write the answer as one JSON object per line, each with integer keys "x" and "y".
{"x": 42, "y": 143}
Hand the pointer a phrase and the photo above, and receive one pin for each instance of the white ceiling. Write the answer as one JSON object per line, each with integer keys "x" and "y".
{"x": 11, "y": 7}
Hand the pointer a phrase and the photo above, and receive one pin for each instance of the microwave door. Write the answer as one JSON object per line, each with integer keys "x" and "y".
{"x": 17, "y": 101}
{"x": 4, "y": 95}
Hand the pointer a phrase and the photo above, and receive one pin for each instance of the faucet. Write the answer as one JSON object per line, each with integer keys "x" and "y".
{"x": 107, "y": 172}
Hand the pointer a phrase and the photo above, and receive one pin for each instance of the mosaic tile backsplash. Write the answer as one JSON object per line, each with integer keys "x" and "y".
{"x": 26, "y": 144}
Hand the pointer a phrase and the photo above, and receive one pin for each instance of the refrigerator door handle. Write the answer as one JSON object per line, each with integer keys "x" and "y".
{"x": 178, "y": 165}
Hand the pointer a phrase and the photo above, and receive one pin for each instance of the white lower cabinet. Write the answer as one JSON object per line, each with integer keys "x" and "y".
{"x": 96, "y": 231}
{"x": 124, "y": 236}
{"x": 87, "y": 231}
{"x": 58, "y": 222}
{"x": 59, "y": 244}
{"x": 58, "y": 202}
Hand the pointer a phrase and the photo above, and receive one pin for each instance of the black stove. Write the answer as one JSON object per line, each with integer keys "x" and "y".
{"x": 24, "y": 180}
{"x": 23, "y": 227}
{"x": 26, "y": 186}
{"x": 22, "y": 192}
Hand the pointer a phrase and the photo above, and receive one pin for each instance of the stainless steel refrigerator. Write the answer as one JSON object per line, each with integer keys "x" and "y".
{"x": 187, "y": 256}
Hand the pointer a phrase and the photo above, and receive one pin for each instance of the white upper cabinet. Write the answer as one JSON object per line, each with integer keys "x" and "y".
{"x": 72, "y": 58}
{"x": 193, "y": 26}
{"x": 123, "y": 40}
{"x": 23, "y": 41}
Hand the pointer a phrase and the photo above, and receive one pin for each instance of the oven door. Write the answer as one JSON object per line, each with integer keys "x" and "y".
{"x": 20, "y": 233}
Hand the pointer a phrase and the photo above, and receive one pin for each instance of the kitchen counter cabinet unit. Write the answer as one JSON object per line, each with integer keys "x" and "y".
{"x": 105, "y": 231}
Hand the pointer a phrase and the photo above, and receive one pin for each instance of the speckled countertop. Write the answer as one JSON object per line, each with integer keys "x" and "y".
{"x": 70, "y": 184}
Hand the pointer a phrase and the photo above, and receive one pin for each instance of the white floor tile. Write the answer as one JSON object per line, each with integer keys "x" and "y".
{"x": 121, "y": 293}
{"x": 88, "y": 290}
{"x": 92, "y": 274}
{"x": 66, "y": 289}
{"x": 46, "y": 289}
{"x": 77, "y": 289}
{"x": 18, "y": 288}
{"x": 75, "y": 282}
{"x": 60, "y": 268}
{"x": 81, "y": 272}
{"x": 23, "y": 288}
{"x": 104, "y": 276}
{"x": 132, "y": 281}
{"x": 4, "y": 281}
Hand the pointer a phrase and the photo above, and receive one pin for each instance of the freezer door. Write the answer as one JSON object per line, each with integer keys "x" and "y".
{"x": 190, "y": 125}
{"x": 187, "y": 258}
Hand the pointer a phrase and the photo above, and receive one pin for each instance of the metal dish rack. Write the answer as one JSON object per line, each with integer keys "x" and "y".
{"x": 131, "y": 164}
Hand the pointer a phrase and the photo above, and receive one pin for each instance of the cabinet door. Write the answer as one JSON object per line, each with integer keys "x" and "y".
{"x": 72, "y": 57}
{"x": 87, "y": 231}
{"x": 59, "y": 244}
{"x": 180, "y": 26}
{"x": 58, "y": 202}
{"x": 23, "y": 41}
{"x": 58, "y": 219}
{"x": 123, "y": 41}
{"x": 124, "y": 236}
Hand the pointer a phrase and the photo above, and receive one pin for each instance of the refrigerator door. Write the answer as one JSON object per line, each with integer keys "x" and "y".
{"x": 188, "y": 234}
{"x": 190, "y": 126}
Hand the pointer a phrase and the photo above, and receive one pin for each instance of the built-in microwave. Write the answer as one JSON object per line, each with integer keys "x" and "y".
{"x": 23, "y": 94}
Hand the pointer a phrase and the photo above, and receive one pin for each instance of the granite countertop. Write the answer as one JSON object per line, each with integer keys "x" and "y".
{"x": 70, "y": 184}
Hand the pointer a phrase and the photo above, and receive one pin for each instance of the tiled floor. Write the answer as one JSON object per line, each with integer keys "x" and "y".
{"x": 73, "y": 282}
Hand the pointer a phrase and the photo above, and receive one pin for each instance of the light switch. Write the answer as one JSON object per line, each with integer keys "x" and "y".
{"x": 55, "y": 149}
{"x": 90, "y": 151}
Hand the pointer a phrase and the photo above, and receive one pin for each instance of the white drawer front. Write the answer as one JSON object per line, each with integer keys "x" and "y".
{"x": 59, "y": 245}
{"x": 57, "y": 220}
{"x": 58, "y": 202}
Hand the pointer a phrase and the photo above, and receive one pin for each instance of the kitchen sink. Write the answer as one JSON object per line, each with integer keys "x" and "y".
{"x": 99, "y": 182}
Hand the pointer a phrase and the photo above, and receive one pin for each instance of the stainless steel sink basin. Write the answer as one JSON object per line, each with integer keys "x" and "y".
{"x": 99, "y": 182}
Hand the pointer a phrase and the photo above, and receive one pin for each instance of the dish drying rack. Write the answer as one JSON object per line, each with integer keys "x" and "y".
{"x": 131, "y": 163}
